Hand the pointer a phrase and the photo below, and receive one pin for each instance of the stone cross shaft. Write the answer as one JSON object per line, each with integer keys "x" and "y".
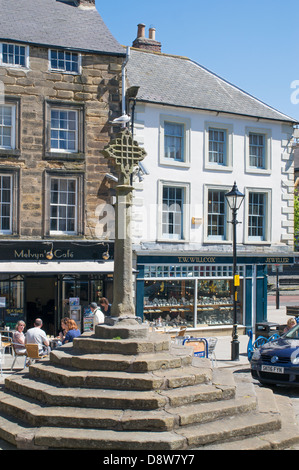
{"x": 124, "y": 154}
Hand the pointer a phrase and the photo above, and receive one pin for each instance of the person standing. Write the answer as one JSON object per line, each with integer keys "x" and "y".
{"x": 105, "y": 306}
{"x": 98, "y": 316}
{"x": 38, "y": 336}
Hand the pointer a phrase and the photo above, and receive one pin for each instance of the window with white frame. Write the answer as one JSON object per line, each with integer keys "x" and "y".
{"x": 63, "y": 206}
{"x": 64, "y": 61}
{"x": 6, "y": 203}
{"x": 173, "y": 210}
{"x": 174, "y": 140}
{"x": 64, "y": 130}
{"x": 218, "y": 146}
{"x": 13, "y": 55}
{"x": 7, "y": 126}
{"x": 258, "y": 150}
{"x": 216, "y": 215}
{"x": 257, "y": 215}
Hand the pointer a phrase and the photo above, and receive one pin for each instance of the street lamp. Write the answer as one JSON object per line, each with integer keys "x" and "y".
{"x": 234, "y": 199}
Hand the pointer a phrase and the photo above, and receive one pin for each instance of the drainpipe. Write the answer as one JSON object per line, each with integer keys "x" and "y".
{"x": 124, "y": 81}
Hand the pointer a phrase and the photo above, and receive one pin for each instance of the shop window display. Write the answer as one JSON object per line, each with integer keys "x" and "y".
{"x": 215, "y": 302}
{"x": 169, "y": 302}
{"x": 11, "y": 300}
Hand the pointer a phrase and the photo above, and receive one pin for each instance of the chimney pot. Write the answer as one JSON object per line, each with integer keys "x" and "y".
{"x": 152, "y": 34}
{"x": 141, "y": 30}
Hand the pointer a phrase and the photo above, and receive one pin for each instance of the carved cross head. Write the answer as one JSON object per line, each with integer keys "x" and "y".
{"x": 124, "y": 154}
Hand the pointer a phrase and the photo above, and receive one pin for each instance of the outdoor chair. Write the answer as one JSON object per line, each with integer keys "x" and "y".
{"x": 32, "y": 353}
{"x": 6, "y": 342}
{"x": 17, "y": 354}
{"x": 179, "y": 338}
{"x": 212, "y": 342}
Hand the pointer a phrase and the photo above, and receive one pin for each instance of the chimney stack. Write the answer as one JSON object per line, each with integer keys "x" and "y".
{"x": 147, "y": 44}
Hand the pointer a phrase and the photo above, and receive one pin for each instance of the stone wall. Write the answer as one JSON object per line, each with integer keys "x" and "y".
{"x": 97, "y": 89}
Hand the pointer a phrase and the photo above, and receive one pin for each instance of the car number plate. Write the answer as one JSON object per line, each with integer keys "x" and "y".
{"x": 275, "y": 369}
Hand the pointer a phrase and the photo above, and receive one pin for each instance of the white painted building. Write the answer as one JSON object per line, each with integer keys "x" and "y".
{"x": 201, "y": 135}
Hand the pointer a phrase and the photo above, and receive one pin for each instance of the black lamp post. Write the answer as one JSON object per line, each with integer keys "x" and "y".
{"x": 234, "y": 199}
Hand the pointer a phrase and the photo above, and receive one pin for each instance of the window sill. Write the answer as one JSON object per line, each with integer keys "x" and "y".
{"x": 216, "y": 167}
{"x": 64, "y": 156}
{"x": 258, "y": 171}
{"x": 10, "y": 153}
{"x": 174, "y": 163}
{"x": 257, "y": 242}
{"x": 172, "y": 240}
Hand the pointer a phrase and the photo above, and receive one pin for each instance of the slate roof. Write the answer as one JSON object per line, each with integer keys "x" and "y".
{"x": 56, "y": 24}
{"x": 178, "y": 81}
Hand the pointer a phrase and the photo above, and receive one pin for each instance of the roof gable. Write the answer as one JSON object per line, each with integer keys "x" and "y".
{"x": 55, "y": 23}
{"x": 178, "y": 81}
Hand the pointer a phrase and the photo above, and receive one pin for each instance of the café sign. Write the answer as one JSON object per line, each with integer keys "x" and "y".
{"x": 60, "y": 250}
{"x": 28, "y": 254}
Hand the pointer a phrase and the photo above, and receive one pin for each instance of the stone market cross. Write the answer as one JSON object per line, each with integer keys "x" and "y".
{"x": 124, "y": 154}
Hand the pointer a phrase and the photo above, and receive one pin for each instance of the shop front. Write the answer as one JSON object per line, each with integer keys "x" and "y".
{"x": 52, "y": 280}
{"x": 196, "y": 291}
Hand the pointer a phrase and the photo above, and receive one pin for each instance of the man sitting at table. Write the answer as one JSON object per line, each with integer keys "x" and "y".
{"x": 38, "y": 336}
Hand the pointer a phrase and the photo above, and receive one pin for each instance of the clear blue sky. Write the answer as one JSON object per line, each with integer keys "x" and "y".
{"x": 252, "y": 44}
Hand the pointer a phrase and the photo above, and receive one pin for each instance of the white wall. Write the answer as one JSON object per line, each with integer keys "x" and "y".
{"x": 278, "y": 179}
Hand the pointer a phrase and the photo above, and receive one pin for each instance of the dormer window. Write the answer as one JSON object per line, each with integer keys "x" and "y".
{"x": 14, "y": 55}
{"x": 64, "y": 61}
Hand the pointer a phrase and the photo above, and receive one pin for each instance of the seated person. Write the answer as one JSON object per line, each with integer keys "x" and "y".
{"x": 290, "y": 324}
{"x": 71, "y": 330}
{"x": 38, "y": 336}
{"x": 18, "y": 338}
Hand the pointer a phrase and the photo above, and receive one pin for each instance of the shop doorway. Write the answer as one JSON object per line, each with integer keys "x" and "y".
{"x": 40, "y": 298}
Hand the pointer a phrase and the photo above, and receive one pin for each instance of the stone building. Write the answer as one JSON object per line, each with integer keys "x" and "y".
{"x": 60, "y": 74}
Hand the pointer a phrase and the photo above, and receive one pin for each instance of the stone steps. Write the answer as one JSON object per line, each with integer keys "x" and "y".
{"x": 283, "y": 438}
{"x": 70, "y": 377}
{"x": 119, "y": 362}
{"x": 153, "y": 343}
{"x": 164, "y": 400}
{"x": 194, "y": 425}
{"x": 36, "y": 414}
{"x": 49, "y": 394}
{"x": 194, "y": 437}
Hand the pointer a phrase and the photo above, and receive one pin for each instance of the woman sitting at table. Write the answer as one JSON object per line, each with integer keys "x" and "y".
{"x": 72, "y": 331}
{"x": 18, "y": 338}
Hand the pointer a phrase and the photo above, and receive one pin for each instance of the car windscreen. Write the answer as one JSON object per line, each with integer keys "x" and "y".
{"x": 293, "y": 333}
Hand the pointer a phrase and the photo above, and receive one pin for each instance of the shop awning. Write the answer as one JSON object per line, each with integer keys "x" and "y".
{"x": 57, "y": 267}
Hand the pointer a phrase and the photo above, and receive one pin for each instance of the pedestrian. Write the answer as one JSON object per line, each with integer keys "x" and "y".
{"x": 98, "y": 316}
{"x": 290, "y": 324}
{"x": 18, "y": 338}
{"x": 38, "y": 336}
{"x": 71, "y": 330}
{"x": 105, "y": 306}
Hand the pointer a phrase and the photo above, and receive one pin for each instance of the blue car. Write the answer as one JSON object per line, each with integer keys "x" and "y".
{"x": 277, "y": 362}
